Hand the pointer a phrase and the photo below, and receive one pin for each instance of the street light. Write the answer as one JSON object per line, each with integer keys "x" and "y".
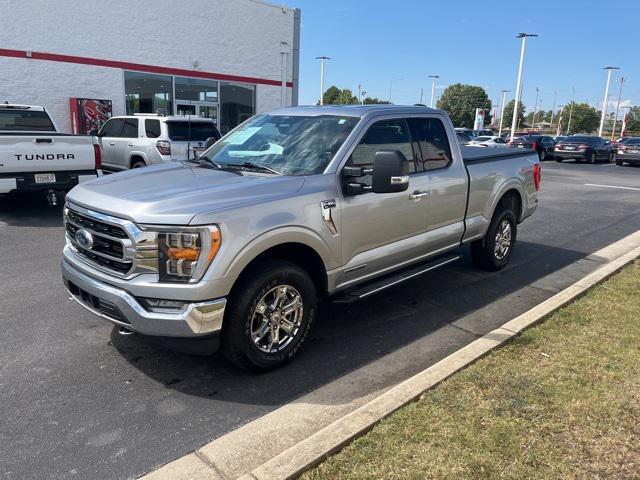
{"x": 535, "y": 108}
{"x": 573, "y": 101}
{"x": 606, "y": 98}
{"x": 433, "y": 88}
{"x": 553, "y": 109}
{"x": 391, "y": 86}
{"x": 514, "y": 121}
{"x": 322, "y": 60}
{"x": 615, "y": 119}
{"x": 504, "y": 96}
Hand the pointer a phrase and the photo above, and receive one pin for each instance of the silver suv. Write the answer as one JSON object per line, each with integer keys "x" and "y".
{"x": 134, "y": 141}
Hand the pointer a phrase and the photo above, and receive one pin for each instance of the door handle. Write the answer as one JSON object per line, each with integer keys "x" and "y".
{"x": 113, "y": 144}
{"x": 131, "y": 144}
{"x": 418, "y": 194}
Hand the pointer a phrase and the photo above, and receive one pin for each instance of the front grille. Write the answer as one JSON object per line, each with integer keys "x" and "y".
{"x": 108, "y": 249}
{"x": 106, "y": 308}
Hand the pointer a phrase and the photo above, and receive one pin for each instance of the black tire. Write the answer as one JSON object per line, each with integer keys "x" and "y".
{"x": 237, "y": 344}
{"x": 483, "y": 251}
{"x": 619, "y": 162}
{"x": 591, "y": 158}
{"x": 559, "y": 160}
{"x": 542, "y": 154}
{"x": 138, "y": 164}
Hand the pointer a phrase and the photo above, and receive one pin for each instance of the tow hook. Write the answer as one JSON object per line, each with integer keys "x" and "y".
{"x": 52, "y": 198}
{"x": 125, "y": 331}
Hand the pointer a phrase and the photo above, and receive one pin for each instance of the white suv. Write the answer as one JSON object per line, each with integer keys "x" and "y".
{"x": 134, "y": 141}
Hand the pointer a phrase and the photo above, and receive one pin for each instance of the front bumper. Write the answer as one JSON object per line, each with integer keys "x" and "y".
{"x": 194, "y": 320}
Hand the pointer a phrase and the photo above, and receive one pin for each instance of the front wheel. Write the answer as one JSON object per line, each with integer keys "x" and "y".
{"x": 269, "y": 315}
{"x": 494, "y": 251}
{"x": 591, "y": 158}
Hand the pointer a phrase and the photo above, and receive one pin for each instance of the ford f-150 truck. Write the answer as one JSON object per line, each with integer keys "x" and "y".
{"x": 34, "y": 157}
{"x": 235, "y": 248}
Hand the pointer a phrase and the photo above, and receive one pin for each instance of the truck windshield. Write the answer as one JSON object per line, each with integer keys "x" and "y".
{"x": 291, "y": 145}
{"x": 25, "y": 120}
{"x": 196, "y": 132}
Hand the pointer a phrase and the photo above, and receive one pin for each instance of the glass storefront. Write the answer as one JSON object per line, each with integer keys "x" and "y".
{"x": 148, "y": 93}
{"x": 228, "y": 104}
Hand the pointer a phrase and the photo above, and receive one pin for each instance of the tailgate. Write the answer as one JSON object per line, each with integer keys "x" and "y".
{"x": 45, "y": 153}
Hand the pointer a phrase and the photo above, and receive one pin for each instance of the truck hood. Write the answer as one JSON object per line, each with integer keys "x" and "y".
{"x": 172, "y": 194}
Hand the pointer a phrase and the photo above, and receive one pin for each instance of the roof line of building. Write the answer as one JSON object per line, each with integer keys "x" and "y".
{"x": 140, "y": 67}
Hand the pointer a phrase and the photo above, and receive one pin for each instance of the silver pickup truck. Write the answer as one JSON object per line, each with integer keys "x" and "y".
{"x": 235, "y": 248}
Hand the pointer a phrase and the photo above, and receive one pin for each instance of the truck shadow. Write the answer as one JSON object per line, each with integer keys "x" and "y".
{"x": 349, "y": 336}
{"x": 30, "y": 210}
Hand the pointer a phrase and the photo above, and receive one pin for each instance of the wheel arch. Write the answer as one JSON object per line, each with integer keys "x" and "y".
{"x": 135, "y": 156}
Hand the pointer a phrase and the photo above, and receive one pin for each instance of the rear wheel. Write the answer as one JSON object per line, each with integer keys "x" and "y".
{"x": 138, "y": 164}
{"x": 494, "y": 251}
{"x": 559, "y": 160}
{"x": 619, "y": 162}
{"x": 269, "y": 315}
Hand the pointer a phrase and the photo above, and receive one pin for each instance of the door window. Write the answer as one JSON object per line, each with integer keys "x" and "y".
{"x": 431, "y": 137}
{"x": 112, "y": 128}
{"x": 130, "y": 129}
{"x": 383, "y": 135}
{"x": 152, "y": 128}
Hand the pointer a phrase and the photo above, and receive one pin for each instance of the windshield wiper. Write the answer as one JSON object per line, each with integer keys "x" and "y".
{"x": 255, "y": 166}
{"x": 208, "y": 163}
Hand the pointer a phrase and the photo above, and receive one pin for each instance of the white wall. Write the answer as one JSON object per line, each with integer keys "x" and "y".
{"x": 236, "y": 37}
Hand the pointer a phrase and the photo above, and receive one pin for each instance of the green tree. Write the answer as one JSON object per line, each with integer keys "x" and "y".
{"x": 335, "y": 96}
{"x": 374, "y": 100}
{"x": 633, "y": 120}
{"x": 584, "y": 118}
{"x": 460, "y": 102}
{"x": 508, "y": 114}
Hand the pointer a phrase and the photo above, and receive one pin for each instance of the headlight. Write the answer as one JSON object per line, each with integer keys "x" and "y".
{"x": 184, "y": 255}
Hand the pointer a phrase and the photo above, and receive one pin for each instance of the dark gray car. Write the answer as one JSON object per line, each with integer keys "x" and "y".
{"x": 629, "y": 152}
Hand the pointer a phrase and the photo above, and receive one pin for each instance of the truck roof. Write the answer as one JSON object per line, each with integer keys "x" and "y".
{"x": 354, "y": 110}
{"x": 18, "y": 106}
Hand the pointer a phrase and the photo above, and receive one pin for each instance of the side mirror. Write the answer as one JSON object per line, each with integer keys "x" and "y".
{"x": 210, "y": 141}
{"x": 93, "y": 132}
{"x": 390, "y": 172}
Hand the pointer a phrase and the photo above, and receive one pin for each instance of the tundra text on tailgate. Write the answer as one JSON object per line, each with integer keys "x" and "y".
{"x": 234, "y": 248}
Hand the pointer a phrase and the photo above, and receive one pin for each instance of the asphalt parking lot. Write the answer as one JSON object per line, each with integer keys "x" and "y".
{"x": 79, "y": 400}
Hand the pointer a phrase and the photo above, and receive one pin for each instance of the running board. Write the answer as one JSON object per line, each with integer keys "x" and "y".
{"x": 395, "y": 278}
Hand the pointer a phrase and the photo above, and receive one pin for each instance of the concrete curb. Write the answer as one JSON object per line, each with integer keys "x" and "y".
{"x": 345, "y": 419}
{"x": 293, "y": 462}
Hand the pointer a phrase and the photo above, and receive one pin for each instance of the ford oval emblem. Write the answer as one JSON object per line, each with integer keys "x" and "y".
{"x": 84, "y": 239}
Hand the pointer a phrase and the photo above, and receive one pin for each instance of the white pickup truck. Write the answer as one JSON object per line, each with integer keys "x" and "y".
{"x": 35, "y": 157}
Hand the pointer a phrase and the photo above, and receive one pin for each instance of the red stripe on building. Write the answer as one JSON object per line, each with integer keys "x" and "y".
{"x": 140, "y": 67}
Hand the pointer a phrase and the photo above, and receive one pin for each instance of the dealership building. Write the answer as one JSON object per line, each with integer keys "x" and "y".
{"x": 223, "y": 59}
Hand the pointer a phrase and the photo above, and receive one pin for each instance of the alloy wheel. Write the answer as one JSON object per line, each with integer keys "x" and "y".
{"x": 502, "y": 243}
{"x": 276, "y": 318}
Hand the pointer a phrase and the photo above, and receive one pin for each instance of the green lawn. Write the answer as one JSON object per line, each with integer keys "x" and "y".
{"x": 562, "y": 400}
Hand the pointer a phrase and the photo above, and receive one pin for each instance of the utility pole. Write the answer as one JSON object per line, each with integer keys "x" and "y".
{"x": 322, "y": 60}
{"x": 504, "y": 96}
{"x": 553, "y": 109}
{"x": 559, "y": 120}
{"x": 606, "y": 98}
{"x": 514, "y": 121}
{"x": 433, "y": 88}
{"x": 615, "y": 119}
{"x": 573, "y": 101}
{"x": 535, "y": 108}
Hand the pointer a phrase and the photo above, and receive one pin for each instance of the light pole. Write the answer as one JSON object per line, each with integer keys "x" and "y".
{"x": 391, "y": 86}
{"x": 364, "y": 92}
{"x": 561, "y": 107}
{"x": 535, "y": 108}
{"x": 615, "y": 119}
{"x": 504, "y": 96}
{"x": 433, "y": 88}
{"x": 606, "y": 98}
{"x": 573, "y": 101}
{"x": 553, "y": 109}
{"x": 514, "y": 121}
{"x": 322, "y": 60}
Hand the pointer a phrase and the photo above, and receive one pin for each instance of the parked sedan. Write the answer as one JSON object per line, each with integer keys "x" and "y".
{"x": 620, "y": 141}
{"x": 583, "y": 148}
{"x": 629, "y": 151}
{"x": 488, "y": 141}
{"x": 542, "y": 144}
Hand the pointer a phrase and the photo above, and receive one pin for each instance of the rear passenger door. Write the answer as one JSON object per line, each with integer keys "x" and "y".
{"x": 446, "y": 183}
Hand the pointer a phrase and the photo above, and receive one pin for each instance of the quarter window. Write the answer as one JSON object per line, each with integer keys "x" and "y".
{"x": 431, "y": 137}
{"x": 152, "y": 128}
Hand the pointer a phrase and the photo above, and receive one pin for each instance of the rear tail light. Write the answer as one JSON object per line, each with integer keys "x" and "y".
{"x": 622, "y": 147}
{"x": 583, "y": 147}
{"x": 537, "y": 174}
{"x": 534, "y": 145}
{"x": 164, "y": 147}
{"x": 97, "y": 155}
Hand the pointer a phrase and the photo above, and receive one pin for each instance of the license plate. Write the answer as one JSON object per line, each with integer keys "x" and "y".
{"x": 45, "y": 177}
{"x": 634, "y": 151}
{"x": 569, "y": 148}
{"x": 520, "y": 146}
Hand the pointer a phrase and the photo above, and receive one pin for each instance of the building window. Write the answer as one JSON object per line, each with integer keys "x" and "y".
{"x": 237, "y": 104}
{"x": 196, "y": 89}
{"x": 148, "y": 93}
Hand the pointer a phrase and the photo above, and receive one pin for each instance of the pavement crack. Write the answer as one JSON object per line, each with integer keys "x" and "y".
{"x": 211, "y": 465}
{"x": 477, "y": 335}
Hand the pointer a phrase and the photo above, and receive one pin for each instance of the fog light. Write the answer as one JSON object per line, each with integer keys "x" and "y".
{"x": 154, "y": 304}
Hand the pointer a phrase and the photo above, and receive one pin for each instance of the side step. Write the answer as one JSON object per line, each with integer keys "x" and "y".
{"x": 377, "y": 285}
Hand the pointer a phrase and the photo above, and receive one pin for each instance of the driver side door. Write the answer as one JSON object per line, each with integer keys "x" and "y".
{"x": 382, "y": 230}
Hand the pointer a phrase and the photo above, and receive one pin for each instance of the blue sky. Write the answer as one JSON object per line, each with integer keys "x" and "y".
{"x": 372, "y": 42}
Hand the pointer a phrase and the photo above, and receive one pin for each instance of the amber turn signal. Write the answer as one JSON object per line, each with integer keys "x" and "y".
{"x": 216, "y": 239}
